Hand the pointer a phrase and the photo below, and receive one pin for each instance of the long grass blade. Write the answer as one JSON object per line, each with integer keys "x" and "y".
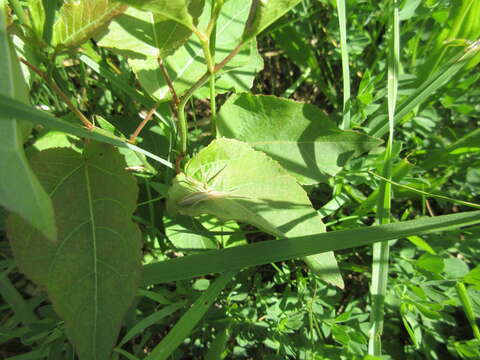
{"x": 13, "y": 108}
{"x": 266, "y": 252}
{"x": 432, "y": 84}
{"x": 342, "y": 20}
{"x": 190, "y": 319}
{"x": 381, "y": 250}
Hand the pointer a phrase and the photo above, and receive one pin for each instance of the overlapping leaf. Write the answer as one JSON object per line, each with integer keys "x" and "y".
{"x": 184, "y": 12}
{"x": 91, "y": 273}
{"x": 230, "y": 180}
{"x": 20, "y": 190}
{"x": 155, "y": 36}
{"x": 265, "y": 13}
{"x": 142, "y": 34}
{"x": 299, "y": 136}
{"x": 79, "y": 20}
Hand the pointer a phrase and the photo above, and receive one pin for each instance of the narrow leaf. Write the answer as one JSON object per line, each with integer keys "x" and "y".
{"x": 10, "y": 108}
{"x": 79, "y": 20}
{"x": 230, "y": 180}
{"x": 91, "y": 273}
{"x": 299, "y": 136}
{"x": 20, "y": 191}
{"x": 190, "y": 319}
{"x": 267, "y": 252}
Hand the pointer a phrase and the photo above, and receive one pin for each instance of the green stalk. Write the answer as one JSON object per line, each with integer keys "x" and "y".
{"x": 207, "y": 45}
{"x": 381, "y": 250}
{"x": 467, "y": 308}
{"x": 342, "y": 20}
{"x": 18, "y": 9}
{"x": 213, "y": 104}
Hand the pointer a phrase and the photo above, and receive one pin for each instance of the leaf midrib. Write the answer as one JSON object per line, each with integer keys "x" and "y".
{"x": 95, "y": 270}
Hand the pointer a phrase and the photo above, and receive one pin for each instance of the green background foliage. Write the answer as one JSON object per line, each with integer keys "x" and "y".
{"x": 226, "y": 149}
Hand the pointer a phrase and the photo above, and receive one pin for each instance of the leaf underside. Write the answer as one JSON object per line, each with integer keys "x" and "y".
{"x": 91, "y": 273}
{"x": 78, "y": 21}
{"x": 248, "y": 186}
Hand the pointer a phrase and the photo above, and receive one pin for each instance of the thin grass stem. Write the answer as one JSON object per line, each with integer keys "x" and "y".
{"x": 342, "y": 20}
{"x": 381, "y": 251}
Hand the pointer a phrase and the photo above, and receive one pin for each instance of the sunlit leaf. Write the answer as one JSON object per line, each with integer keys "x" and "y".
{"x": 91, "y": 272}
{"x": 230, "y": 180}
{"x": 299, "y": 136}
{"x": 184, "y": 12}
{"x": 142, "y": 34}
{"x": 265, "y": 12}
{"x": 79, "y": 20}
{"x": 187, "y": 64}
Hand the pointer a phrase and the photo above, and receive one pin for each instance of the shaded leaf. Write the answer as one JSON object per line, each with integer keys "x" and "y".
{"x": 187, "y": 64}
{"x": 187, "y": 234}
{"x": 266, "y": 12}
{"x": 142, "y": 34}
{"x": 230, "y": 180}
{"x": 91, "y": 273}
{"x": 20, "y": 191}
{"x": 299, "y": 136}
{"x": 79, "y": 20}
{"x": 184, "y": 12}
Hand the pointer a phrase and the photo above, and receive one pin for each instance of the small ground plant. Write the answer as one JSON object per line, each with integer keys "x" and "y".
{"x": 169, "y": 170}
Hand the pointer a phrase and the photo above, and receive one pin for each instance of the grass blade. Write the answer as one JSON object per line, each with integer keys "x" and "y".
{"x": 381, "y": 251}
{"x": 188, "y": 321}
{"x": 432, "y": 84}
{"x": 267, "y": 252}
{"x": 342, "y": 20}
{"x": 13, "y": 108}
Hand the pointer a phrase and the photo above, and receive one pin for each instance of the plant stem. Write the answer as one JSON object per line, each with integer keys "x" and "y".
{"x": 212, "y": 35}
{"x": 345, "y": 68}
{"x": 18, "y": 9}
{"x": 144, "y": 122}
{"x": 467, "y": 308}
{"x": 169, "y": 82}
{"x": 182, "y": 122}
{"x": 53, "y": 85}
{"x": 381, "y": 251}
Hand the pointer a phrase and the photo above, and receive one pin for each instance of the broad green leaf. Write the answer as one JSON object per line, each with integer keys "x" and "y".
{"x": 142, "y": 34}
{"x": 79, "y": 20}
{"x": 267, "y": 252}
{"x": 20, "y": 190}
{"x": 187, "y": 234}
{"x": 299, "y": 136}
{"x": 184, "y": 12}
{"x": 187, "y": 64}
{"x": 230, "y": 180}
{"x": 264, "y": 13}
{"x": 432, "y": 263}
{"x": 91, "y": 273}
